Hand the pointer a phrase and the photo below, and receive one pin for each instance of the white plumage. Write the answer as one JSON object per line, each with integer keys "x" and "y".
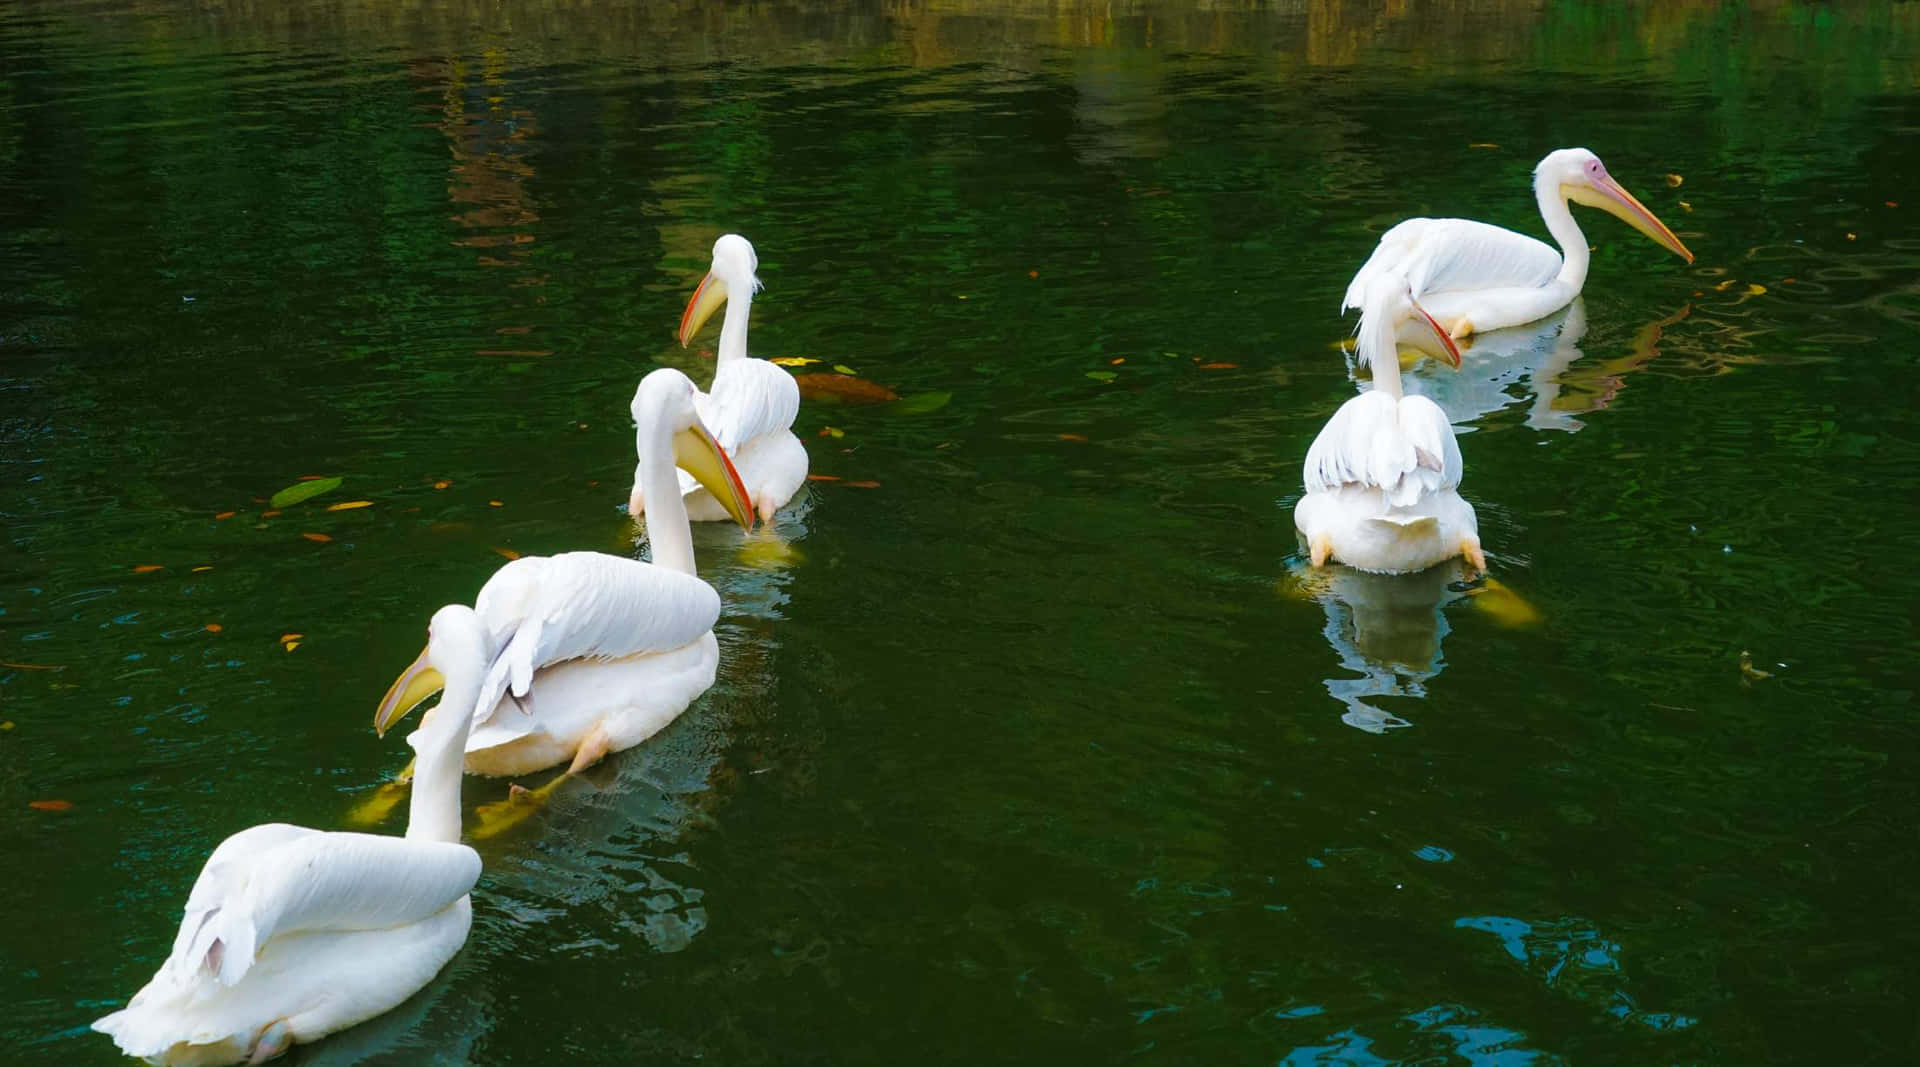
{"x": 1474, "y": 277}
{"x": 1382, "y": 477}
{"x": 291, "y": 934}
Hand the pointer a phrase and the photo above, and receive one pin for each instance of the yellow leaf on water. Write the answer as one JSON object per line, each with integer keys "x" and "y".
{"x": 1852, "y": 236}
{"x": 832, "y": 431}
{"x": 1756, "y": 289}
{"x": 291, "y": 645}
{"x": 1686, "y": 207}
{"x": 1724, "y": 286}
{"x": 349, "y": 505}
{"x": 6, "y": 725}
{"x": 202, "y": 569}
{"x": 792, "y": 361}
{"x": 1674, "y": 180}
{"x": 842, "y": 368}
{"x": 441, "y": 484}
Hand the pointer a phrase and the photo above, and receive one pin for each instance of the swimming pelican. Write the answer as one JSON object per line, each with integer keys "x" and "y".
{"x": 1382, "y": 479}
{"x": 1475, "y": 277}
{"x": 751, "y": 403}
{"x": 291, "y": 934}
{"x": 546, "y": 612}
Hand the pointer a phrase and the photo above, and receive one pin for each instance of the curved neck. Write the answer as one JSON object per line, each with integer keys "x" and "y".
{"x": 1378, "y": 346}
{"x": 1566, "y": 232}
{"x": 440, "y": 753}
{"x": 667, "y": 528}
{"x": 733, "y": 328}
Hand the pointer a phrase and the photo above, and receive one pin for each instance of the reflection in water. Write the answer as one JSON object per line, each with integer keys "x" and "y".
{"x": 1500, "y": 368}
{"x": 1572, "y": 956}
{"x": 1430, "y": 1035}
{"x": 1386, "y": 627}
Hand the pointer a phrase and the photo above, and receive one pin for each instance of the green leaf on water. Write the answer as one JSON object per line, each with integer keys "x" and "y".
{"x": 298, "y": 491}
{"x": 919, "y": 403}
{"x": 1102, "y": 375}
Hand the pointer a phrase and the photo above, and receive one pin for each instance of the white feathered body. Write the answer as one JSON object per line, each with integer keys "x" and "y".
{"x": 314, "y": 929}
{"x": 750, "y": 409}
{"x": 1382, "y": 486}
{"x": 588, "y": 640}
{"x": 1463, "y": 269}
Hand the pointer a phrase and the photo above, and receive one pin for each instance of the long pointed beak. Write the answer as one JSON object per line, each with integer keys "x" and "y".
{"x": 705, "y": 301}
{"x": 1446, "y": 347}
{"x": 1611, "y": 197}
{"x": 418, "y": 682}
{"x": 696, "y": 452}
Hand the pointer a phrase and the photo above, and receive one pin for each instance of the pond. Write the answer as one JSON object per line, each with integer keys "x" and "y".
{"x": 1034, "y": 740}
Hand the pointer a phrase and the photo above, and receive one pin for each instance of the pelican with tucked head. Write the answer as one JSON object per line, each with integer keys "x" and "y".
{"x": 751, "y": 404}
{"x": 291, "y": 934}
{"x": 1382, "y": 478}
{"x": 596, "y": 653}
{"x": 1474, "y": 277}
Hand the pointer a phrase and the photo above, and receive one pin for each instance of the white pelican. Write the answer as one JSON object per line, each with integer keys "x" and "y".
{"x": 549, "y": 697}
{"x": 1382, "y": 479}
{"x": 1475, "y": 277}
{"x": 291, "y": 934}
{"x": 751, "y": 405}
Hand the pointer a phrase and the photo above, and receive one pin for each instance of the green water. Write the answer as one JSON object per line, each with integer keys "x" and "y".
{"x": 1044, "y": 749}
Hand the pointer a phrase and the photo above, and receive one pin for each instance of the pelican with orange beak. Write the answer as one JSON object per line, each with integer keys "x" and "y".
{"x": 1383, "y": 478}
{"x": 1473, "y": 277}
{"x": 596, "y": 653}
{"x": 751, "y": 404}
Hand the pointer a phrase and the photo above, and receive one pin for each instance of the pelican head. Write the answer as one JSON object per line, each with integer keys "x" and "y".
{"x": 457, "y": 647}
{"x": 1387, "y": 304}
{"x": 1582, "y": 178}
{"x": 667, "y": 426}
{"x": 733, "y": 270}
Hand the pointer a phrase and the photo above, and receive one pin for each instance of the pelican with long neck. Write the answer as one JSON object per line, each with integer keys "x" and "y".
{"x": 668, "y": 433}
{"x": 457, "y": 647}
{"x": 732, "y": 280}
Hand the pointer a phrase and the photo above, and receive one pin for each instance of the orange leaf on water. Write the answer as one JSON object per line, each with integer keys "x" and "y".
{"x": 225, "y": 515}
{"x": 507, "y": 552}
{"x": 823, "y": 477}
{"x": 842, "y": 389}
{"x": 349, "y": 505}
{"x": 202, "y": 569}
{"x": 214, "y": 627}
{"x": 284, "y": 638}
{"x": 50, "y": 805}
{"x": 269, "y": 514}
{"x": 1072, "y": 437}
{"x": 1116, "y": 362}
{"x": 317, "y": 538}
{"x": 861, "y": 485}
{"x": 1219, "y": 366}
{"x": 147, "y": 568}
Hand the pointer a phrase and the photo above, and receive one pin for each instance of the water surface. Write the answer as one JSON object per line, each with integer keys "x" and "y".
{"x": 1044, "y": 748}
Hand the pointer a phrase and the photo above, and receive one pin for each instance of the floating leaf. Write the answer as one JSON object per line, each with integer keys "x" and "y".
{"x": 303, "y": 490}
{"x": 842, "y": 368}
{"x": 1072, "y": 437}
{"x": 1724, "y": 286}
{"x": 507, "y": 553}
{"x": 823, "y": 477}
{"x": 349, "y": 505}
{"x": 291, "y": 645}
{"x": 441, "y": 484}
{"x": 214, "y": 627}
{"x": 1684, "y": 206}
{"x": 861, "y": 485}
{"x": 1891, "y": 203}
{"x": 1674, "y": 180}
{"x": 1116, "y": 361}
{"x": 840, "y": 389}
{"x": 225, "y": 515}
{"x": 50, "y": 805}
{"x": 1219, "y": 366}
{"x": 269, "y": 514}
{"x": 792, "y": 361}
{"x": 1033, "y": 274}
{"x": 1482, "y": 144}
{"x": 495, "y": 504}
{"x": 1852, "y": 236}
{"x": 1102, "y": 375}
{"x": 6, "y": 725}
{"x": 919, "y": 403}
{"x": 829, "y": 431}
{"x": 317, "y": 538}
{"x": 202, "y": 569}
{"x": 1756, "y": 289}
{"x": 149, "y": 568}
{"x": 284, "y": 638}
{"x": 1748, "y": 672}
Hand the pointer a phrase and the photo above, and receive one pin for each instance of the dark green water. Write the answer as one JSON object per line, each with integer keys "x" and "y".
{"x": 1038, "y": 751}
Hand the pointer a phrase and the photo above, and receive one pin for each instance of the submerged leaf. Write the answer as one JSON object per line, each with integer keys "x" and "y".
{"x": 1102, "y": 375}
{"x": 50, "y": 805}
{"x": 861, "y": 485}
{"x": 919, "y": 403}
{"x": 841, "y": 389}
{"x": 317, "y": 538}
{"x": 303, "y": 490}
